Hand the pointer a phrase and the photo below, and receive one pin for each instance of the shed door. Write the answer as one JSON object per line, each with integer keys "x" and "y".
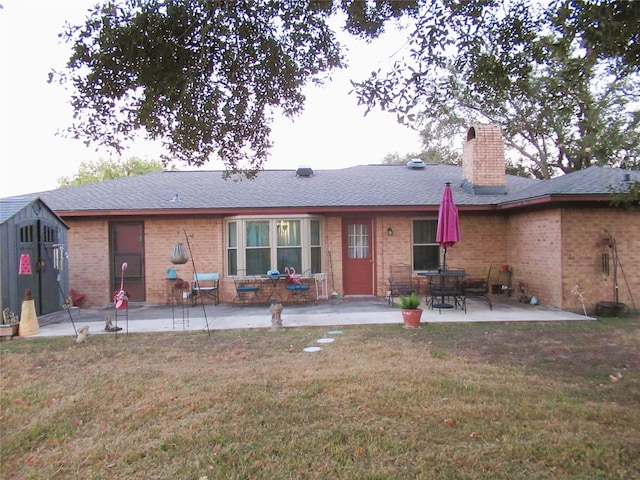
{"x": 357, "y": 257}
{"x": 37, "y": 239}
{"x": 127, "y": 246}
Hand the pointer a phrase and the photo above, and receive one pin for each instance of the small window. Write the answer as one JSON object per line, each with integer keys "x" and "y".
{"x": 26, "y": 234}
{"x": 358, "y": 238}
{"x": 426, "y": 251}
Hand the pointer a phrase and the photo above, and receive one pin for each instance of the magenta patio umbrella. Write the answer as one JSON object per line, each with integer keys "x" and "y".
{"x": 447, "y": 234}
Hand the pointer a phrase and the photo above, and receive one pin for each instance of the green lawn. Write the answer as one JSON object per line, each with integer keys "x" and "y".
{"x": 446, "y": 401}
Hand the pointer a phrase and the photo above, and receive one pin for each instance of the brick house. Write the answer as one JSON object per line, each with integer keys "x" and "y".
{"x": 353, "y": 224}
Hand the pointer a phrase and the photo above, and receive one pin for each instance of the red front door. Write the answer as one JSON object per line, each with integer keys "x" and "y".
{"x": 357, "y": 255}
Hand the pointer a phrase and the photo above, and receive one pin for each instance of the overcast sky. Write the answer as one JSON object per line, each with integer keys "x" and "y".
{"x": 331, "y": 133}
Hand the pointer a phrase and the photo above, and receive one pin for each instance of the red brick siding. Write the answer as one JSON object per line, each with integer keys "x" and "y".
{"x": 483, "y": 243}
{"x": 161, "y": 234}
{"x": 88, "y": 245}
{"x": 548, "y": 250}
{"x": 553, "y": 250}
{"x": 483, "y": 157}
{"x": 583, "y": 245}
{"x": 534, "y": 254}
{"x": 332, "y": 253}
{"x": 391, "y": 249}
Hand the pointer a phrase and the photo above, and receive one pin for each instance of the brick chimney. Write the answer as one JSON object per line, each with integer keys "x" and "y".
{"x": 483, "y": 162}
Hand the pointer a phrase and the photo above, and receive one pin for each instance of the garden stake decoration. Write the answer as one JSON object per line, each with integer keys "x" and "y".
{"x": 193, "y": 264}
{"x": 121, "y": 299}
{"x": 578, "y": 292}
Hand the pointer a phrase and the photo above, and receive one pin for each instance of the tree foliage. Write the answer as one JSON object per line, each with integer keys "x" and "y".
{"x": 626, "y": 195}
{"x": 204, "y": 77}
{"x": 561, "y": 80}
{"x": 437, "y": 147}
{"x": 90, "y": 172}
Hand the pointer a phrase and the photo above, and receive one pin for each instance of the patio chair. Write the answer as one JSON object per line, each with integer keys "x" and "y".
{"x": 205, "y": 285}
{"x": 401, "y": 282}
{"x": 298, "y": 286}
{"x": 247, "y": 288}
{"x": 449, "y": 288}
{"x": 479, "y": 288}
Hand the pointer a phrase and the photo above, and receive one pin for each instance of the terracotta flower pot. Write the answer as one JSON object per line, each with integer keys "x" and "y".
{"x": 411, "y": 317}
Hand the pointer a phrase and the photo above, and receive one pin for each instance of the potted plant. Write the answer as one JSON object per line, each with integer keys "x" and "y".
{"x": 10, "y": 324}
{"x": 411, "y": 314}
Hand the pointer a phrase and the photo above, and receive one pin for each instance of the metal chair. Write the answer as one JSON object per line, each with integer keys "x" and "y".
{"x": 401, "y": 282}
{"x": 299, "y": 290}
{"x": 448, "y": 287}
{"x": 479, "y": 288}
{"x": 247, "y": 288}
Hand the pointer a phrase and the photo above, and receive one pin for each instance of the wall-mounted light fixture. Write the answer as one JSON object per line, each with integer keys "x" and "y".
{"x": 390, "y": 231}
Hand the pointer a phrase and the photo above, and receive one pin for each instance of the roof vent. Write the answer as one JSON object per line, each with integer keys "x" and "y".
{"x": 304, "y": 172}
{"x": 416, "y": 164}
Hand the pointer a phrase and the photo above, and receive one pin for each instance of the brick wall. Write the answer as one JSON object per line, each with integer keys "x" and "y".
{"x": 207, "y": 248}
{"x": 483, "y": 244}
{"x": 89, "y": 255}
{"x": 483, "y": 161}
{"x": 583, "y": 245}
{"x": 89, "y": 260}
{"x": 391, "y": 249}
{"x": 332, "y": 253}
{"x": 534, "y": 254}
{"x": 550, "y": 251}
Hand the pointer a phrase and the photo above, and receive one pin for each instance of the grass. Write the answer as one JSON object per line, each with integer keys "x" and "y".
{"x": 469, "y": 401}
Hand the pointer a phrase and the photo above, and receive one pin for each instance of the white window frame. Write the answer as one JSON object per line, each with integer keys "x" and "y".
{"x": 241, "y": 222}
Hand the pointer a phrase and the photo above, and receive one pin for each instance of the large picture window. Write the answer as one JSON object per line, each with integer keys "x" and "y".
{"x": 426, "y": 251}
{"x": 256, "y": 245}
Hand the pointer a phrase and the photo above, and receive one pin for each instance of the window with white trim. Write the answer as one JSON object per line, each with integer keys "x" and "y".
{"x": 426, "y": 251}
{"x": 256, "y": 245}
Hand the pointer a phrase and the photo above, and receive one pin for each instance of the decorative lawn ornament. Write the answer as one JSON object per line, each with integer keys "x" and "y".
{"x": 28, "y": 318}
{"x": 120, "y": 297}
{"x": 25, "y": 265}
{"x": 179, "y": 255}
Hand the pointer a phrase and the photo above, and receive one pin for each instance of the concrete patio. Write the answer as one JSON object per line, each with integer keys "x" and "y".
{"x": 331, "y": 313}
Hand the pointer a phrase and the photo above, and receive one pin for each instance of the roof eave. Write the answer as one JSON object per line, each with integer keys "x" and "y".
{"x": 263, "y": 211}
{"x": 555, "y": 198}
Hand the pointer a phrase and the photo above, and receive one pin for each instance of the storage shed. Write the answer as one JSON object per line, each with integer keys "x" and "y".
{"x": 33, "y": 246}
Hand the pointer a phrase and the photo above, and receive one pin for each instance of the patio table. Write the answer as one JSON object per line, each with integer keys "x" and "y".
{"x": 274, "y": 279}
{"x": 440, "y": 279}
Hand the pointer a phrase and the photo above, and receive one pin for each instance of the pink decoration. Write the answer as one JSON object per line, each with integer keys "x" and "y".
{"x": 25, "y": 265}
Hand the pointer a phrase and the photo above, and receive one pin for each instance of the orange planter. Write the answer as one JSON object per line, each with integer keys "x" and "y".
{"x": 411, "y": 317}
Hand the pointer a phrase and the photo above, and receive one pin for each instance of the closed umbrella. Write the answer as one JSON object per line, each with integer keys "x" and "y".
{"x": 447, "y": 234}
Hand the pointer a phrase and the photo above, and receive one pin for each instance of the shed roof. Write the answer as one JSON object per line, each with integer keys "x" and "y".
{"x": 11, "y": 206}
